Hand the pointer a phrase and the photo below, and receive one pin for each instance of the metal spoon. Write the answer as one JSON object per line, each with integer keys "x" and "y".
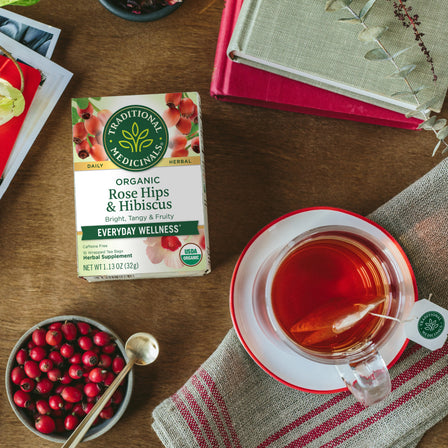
{"x": 142, "y": 349}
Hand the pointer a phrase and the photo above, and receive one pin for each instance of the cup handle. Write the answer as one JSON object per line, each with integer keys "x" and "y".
{"x": 368, "y": 380}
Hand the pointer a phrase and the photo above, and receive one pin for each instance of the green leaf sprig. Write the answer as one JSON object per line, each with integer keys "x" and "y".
{"x": 370, "y": 34}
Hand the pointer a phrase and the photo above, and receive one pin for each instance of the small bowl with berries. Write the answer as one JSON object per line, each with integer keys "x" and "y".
{"x": 141, "y": 10}
{"x": 58, "y": 370}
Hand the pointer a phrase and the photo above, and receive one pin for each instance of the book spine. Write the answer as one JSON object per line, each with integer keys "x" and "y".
{"x": 243, "y": 27}
{"x": 222, "y": 64}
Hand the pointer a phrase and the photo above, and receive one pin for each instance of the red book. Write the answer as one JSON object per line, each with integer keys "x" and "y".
{"x": 10, "y": 130}
{"x": 240, "y": 83}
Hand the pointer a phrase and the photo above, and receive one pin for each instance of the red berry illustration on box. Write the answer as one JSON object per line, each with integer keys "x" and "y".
{"x": 182, "y": 115}
{"x": 88, "y": 122}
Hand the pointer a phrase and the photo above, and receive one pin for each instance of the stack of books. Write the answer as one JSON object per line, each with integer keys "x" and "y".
{"x": 293, "y": 55}
{"x": 31, "y": 44}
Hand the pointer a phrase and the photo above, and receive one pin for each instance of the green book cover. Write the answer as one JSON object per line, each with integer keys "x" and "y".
{"x": 300, "y": 40}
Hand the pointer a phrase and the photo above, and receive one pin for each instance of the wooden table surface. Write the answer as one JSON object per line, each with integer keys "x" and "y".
{"x": 260, "y": 164}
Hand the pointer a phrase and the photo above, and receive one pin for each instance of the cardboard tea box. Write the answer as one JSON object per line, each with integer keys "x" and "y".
{"x": 139, "y": 187}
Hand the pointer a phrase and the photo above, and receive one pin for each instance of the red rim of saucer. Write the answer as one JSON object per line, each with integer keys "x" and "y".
{"x": 263, "y": 230}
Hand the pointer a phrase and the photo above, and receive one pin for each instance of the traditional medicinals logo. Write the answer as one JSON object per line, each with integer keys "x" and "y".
{"x": 135, "y": 138}
{"x": 431, "y": 325}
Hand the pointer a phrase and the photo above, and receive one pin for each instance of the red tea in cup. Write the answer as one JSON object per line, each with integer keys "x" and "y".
{"x": 328, "y": 292}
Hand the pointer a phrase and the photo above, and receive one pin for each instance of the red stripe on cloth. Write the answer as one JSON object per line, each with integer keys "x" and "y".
{"x": 304, "y": 418}
{"x": 388, "y": 409}
{"x": 191, "y": 422}
{"x": 353, "y": 410}
{"x": 221, "y": 403}
{"x": 203, "y": 421}
{"x": 205, "y": 396}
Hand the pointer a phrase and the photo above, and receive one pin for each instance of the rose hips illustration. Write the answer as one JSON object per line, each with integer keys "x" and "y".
{"x": 195, "y": 145}
{"x": 104, "y": 115}
{"x": 86, "y": 112}
{"x": 79, "y": 132}
{"x": 184, "y": 125}
{"x": 173, "y": 99}
{"x": 186, "y": 107}
{"x": 93, "y": 125}
{"x": 98, "y": 152}
{"x": 180, "y": 153}
{"x": 171, "y": 117}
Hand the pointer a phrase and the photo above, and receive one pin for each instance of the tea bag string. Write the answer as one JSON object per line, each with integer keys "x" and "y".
{"x": 396, "y": 318}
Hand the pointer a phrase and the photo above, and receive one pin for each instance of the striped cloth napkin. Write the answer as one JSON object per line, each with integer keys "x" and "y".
{"x": 231, "y": 402}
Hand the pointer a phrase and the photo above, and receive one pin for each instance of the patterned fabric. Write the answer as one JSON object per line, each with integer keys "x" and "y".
{"x": 231, "y": 402}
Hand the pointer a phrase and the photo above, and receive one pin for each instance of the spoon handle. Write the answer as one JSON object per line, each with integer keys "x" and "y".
{"x": 87, "y": 421}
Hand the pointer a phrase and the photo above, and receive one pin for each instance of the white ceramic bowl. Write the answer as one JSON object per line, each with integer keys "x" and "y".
{"x": 25, "y": 417}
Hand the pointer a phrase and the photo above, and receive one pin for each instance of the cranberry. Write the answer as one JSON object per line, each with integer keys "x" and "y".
{"x": 27, "y": 384}
{"x": 97, "y": 375}
{"x": 118, "y": 364}
{"x": 69, "y": 330}
{"x": 32, "y": 369}
{"x": 21, "y": 356}
{"x": 105, "y": 361}
{"x": 45, "y": 424}
{"x": 38, "y": 336}
{"x": 107, "y": 413}
{"x": 78, "y": 410}
{"x": 101, "y": 338}
{"x": 54, "y": 374}
{"x": 85, "y": 343}
{"x": 53, "y": 337}
{"x": 43, "y": 407}
{"x": 83, "y": 328}
{"x": 92, "y": 389}
{"x": 118, "y": 396}
{"x": 38, "y": 353}
{"x": 71, "y": 422}
{"x": 71, "y": 394}
{"x": 110, "y": 348}
{"x": 56, "y": 357}
{"x": 75, "y": 371}
{"x": 90, "y": 358}
{"x": 22, "y": 399}
{"x": 46, "y": 365}
{"x": 65, "y": 378}
{"x": 44, "y": 386}
{"x": 67, "y": 350}
{"x": 109, "y": 378}
{"x": 17, "y": 375}
{"x": 76, "y": 359}
{"x": 56, "y": 402}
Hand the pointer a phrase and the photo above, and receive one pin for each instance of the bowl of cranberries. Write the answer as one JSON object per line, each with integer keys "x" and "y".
{"x": 141, "y": 10}
{"x": 58, "y": 370}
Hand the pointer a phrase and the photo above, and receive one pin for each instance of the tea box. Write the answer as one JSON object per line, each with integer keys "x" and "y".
{"x": 139, "y": 186}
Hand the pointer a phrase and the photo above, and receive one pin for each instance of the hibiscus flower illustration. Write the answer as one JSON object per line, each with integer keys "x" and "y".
{"x": 166, "y": 248}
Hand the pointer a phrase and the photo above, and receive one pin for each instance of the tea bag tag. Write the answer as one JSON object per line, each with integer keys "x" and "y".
{"x": 427, "y": 324}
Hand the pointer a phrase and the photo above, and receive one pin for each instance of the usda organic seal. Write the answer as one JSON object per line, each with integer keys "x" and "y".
{"x": 190, "y": 254}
